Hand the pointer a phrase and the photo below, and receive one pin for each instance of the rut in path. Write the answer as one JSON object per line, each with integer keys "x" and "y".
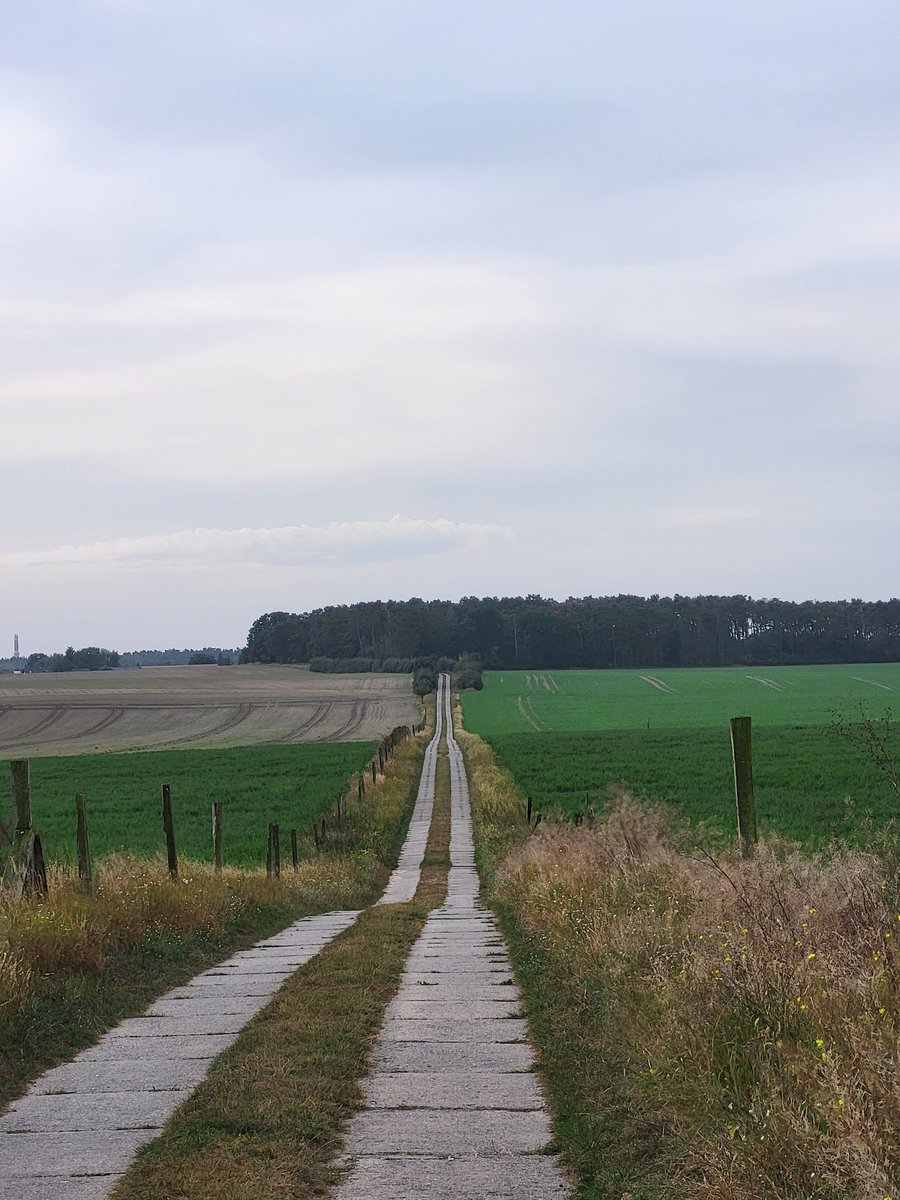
{"x": 453, "y": 1109}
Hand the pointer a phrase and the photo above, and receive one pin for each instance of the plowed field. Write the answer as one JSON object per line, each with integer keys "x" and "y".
{"x": 158, "y": 708}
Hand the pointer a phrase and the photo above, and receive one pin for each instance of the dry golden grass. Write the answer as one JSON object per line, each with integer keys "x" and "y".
{"x": 721, "y": 1029}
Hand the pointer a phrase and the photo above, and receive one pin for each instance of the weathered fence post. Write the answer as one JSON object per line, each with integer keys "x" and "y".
{"x": 217, "y": 834}
{"x": 528, "y": 810}
{"x": 169, "y": 829}
{"x": 295, "y": 850}
{"x": 316, "y": 839}
{"x": 20, "y": 776}
{"x": 273, "y": 851}
{"x": 82, "y": 841}
{"x": 26, "y": 873}
{"x": 742, "y": 755}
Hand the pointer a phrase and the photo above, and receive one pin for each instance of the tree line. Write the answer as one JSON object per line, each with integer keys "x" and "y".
{"x": 592, "y": 631}
{"x": 88, "y": 658}
{"x": 98, "y": 658}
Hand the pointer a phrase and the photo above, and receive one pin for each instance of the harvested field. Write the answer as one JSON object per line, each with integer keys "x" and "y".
{"x": 157, "y": 708}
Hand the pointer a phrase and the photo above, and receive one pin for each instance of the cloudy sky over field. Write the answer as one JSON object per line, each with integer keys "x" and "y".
{"x": 311, "y": 303}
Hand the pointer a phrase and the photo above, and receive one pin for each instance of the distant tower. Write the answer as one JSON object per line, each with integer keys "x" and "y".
{"x": 16, "y": 646}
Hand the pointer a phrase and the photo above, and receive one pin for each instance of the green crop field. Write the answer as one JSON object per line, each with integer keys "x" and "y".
{"x": 570, "y": 736}
{"x": 523, "y": 701}
{"x": 291, "y": 785}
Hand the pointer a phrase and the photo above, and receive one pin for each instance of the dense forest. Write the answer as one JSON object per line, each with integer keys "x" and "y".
{"x": 593, "y": 631}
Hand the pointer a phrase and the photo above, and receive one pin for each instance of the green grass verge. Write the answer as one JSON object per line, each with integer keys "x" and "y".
{"x": 291, "y": 785}
{"x": 605, "y": 1140}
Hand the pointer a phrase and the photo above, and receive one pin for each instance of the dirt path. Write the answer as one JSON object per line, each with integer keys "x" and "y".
{"x": 453, "y": 1110}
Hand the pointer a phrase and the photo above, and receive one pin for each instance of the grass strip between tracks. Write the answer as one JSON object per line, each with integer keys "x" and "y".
{"x": 269, "y": 1119}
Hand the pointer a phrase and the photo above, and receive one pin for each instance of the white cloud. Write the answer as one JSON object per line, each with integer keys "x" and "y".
{"x": 334, "y": 541}
{"x": 711, "y": 515}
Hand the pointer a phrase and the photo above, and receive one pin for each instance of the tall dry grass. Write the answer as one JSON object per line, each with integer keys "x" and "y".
{"x": 135, "y": 904}
{"x": 752, "y": 1008}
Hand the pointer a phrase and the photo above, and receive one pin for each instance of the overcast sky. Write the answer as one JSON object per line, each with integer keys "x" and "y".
{"x": 309, "y": 303}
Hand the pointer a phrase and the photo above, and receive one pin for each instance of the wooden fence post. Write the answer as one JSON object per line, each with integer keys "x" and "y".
{"x": 169, "y": 829}
{"x": 25, "y": 873}
{"x": 82, "y": 841}
{"x": 528, "y": 810}
{"x": 295, "y": 851}
{"x": 273, "y": 851}
{"x": 20, "y": 776}
{"x": 742, "y": 755}
{"x": 217, "y": 833}
{"x": 316, "y": 839}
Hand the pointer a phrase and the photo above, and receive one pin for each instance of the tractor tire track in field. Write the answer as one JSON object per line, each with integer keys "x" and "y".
{"x": 46, "y": 722}
{"x": 231, "y": 722}
{"x": 527, "y": 710}
{"x": 769, "y": 683}
{"x": 887, "y": 687}
{"x": 110, "y": 716}
{"x": 358, "y": 714}
{"x": 659, "y": 684}
{"x": 320, "y": 713}
{"x": 115, "y": 714}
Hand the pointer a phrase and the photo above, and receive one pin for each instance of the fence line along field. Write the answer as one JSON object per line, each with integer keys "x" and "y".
{"x": 289, "y": 785}
{"x": 570, "y": 737}
{"x": 171, "y": 707}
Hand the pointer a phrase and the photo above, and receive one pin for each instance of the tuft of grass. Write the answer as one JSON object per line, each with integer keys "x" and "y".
{"x": 76, "y": 962}
{"x": 707, "y": 1027}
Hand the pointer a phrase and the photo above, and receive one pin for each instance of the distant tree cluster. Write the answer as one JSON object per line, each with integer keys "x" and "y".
{"x": 466, "y": 672}
{"x": 179, "y": 658}
{"x": 88, "y": 658}
{"x": 605, "y": 631}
